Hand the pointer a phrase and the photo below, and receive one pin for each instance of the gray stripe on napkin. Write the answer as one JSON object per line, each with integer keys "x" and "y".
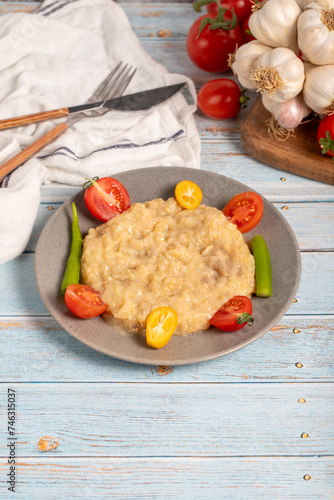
{"x": 64, "y": 151}
{"x": 59, "y": 5}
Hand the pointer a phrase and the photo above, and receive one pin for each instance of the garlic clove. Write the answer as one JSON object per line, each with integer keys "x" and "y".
{"x": 288, "y": 114}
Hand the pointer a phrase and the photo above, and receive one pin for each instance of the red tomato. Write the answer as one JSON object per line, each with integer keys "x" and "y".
{"x": 219, "y": 98}
{"x": 105, "y": 198}
{"x": 233, "y": 315}
{"x": 245, "y": 210}
{"x": 246, "y": 32}
{"x": 325, "y": 135}
{"x": 209, "y": 51}
{"x": 242, "y": 8}
{"x": 84, "y": 301}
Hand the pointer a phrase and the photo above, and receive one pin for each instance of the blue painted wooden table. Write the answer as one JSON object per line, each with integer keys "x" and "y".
{"x": 255, "y": 424}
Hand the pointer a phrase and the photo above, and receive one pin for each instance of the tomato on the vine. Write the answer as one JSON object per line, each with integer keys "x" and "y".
{"x": 245, "y": 210}
{"x": 325, "y": 135}
{"x": 234, "y": 315}
{"x": 221, "y": 99}
{"x": 242, "y": 8}
{"x": 211, "y": 39}
{"x": 246, "y": 32}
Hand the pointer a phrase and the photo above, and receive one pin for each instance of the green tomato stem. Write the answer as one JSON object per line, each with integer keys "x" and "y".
{"x": 219, "y": 22}
{"x": 327, "y": 144}
{"x": 245, "y": 318}
{"x": 200, "y": 3}
{"x": 90, "y": 182}
{"x": 244, "y": 97}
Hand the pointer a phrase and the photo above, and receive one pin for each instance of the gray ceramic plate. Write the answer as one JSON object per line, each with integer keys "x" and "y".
{"x": 146, "y": 184}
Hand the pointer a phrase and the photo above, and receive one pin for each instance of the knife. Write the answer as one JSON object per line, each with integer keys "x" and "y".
{"x": 131, "y": 102}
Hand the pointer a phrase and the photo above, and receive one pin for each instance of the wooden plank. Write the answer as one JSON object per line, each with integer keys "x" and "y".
{"x": 20, "y": 6}
{"x": 18, "y": 275}
{"x": 132, "y": 420}
{"x": 317, "y": 233}
{"x": 161, "y": 20}
{"x": 313, "y": 236}
{"x": 181, "y": 478}
{"x": 298, "y": 349}
{"x": 317, "y": 274}
{"x": 45, "y": 211}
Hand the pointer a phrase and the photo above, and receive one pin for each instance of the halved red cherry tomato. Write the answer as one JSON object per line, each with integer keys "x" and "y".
{"x": 84, "y": 301}
{"x": 233, "y": 315}
{"x": 245, "y": 210}
{"x": 106, "y": 197}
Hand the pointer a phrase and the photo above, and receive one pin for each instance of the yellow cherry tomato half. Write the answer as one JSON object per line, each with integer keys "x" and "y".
{"x": 160, "y": 326}
{"x": 188, "y": 194}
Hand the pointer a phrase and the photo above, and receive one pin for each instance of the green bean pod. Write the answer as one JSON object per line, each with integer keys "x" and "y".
{"x": 263, "y": 273}
{"x": 72, "y": 271}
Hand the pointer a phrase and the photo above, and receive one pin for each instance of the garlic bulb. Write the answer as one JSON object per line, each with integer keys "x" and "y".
{"x": 244, "y": 60}
{"x": 318, "y": 88}
{"x": 274, "y": 23}
{"x": 279, "y": 73}
{"x": 316, "y": 32}
{"x": 288, "y": 114}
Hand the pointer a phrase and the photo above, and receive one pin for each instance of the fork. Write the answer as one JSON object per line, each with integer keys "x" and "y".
{"x": 112, "y": 86}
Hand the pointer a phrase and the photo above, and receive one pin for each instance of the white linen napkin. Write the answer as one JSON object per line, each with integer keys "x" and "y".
{"x": 56, "y": 57}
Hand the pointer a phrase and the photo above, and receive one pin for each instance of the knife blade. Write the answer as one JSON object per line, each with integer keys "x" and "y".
{"x": 132, "y": 102}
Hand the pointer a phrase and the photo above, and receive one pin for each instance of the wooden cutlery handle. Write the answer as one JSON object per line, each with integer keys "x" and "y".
{"x": 32, "y": 150}
{"x": 36, "y": 117}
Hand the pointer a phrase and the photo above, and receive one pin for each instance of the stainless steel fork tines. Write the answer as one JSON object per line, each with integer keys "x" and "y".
{"x": 112, "y": 86}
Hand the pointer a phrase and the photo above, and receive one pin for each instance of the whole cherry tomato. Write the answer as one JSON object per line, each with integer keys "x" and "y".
{"x": 211, "y": 39}
{"x": 246, "y": 32}
{"x": 220, "y": 99}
